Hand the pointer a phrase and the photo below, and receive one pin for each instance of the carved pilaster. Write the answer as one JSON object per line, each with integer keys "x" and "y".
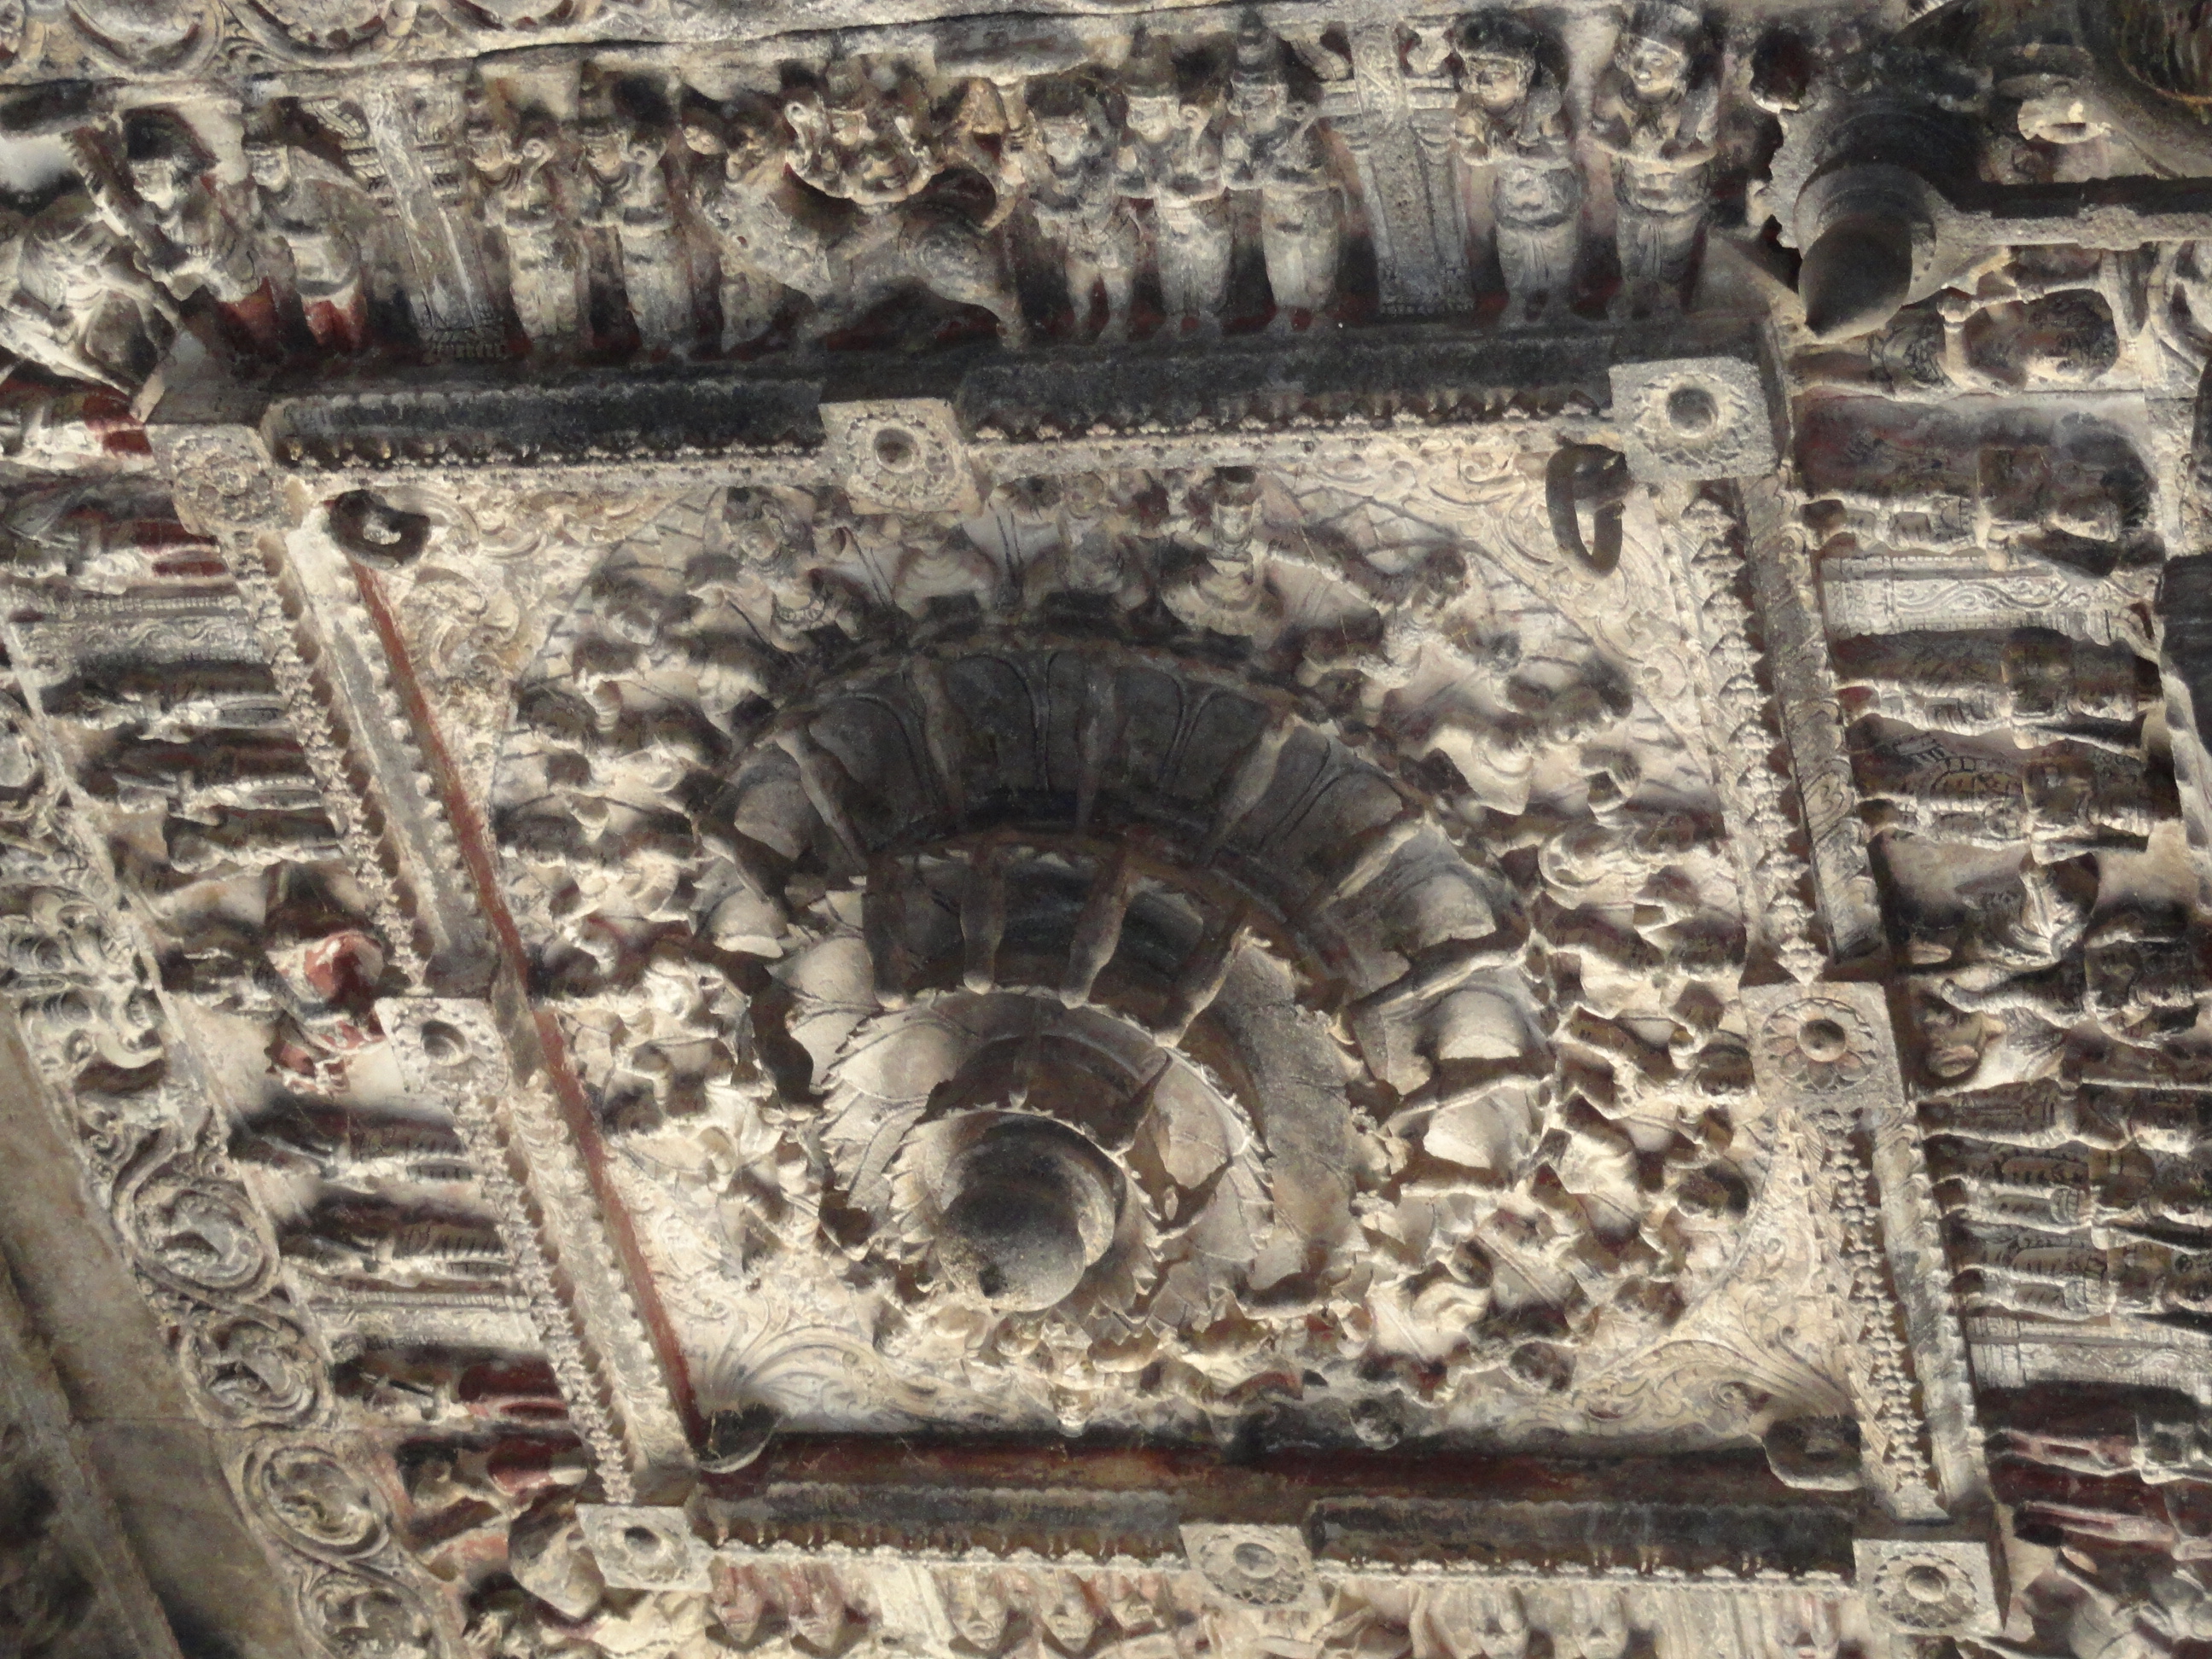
{"x": 1400, "y": 136}
{"x": 1827, "y": 1053}
{"x": 1782, "y": 586}
{"x": 619, "y": 1398}
{"x": 321, "y": 646}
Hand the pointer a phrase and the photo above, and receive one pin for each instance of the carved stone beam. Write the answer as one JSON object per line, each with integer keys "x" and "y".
{"x": 203, "y": 1250}
{"x": 321, "y": 647}
{"x": 1703, "y": 418}
{"x": 1826, "y": 1056}
{"x": 76, "y": 1564}
{"x": 1706, "y": 541}
{"x": 950, "y": 1514}
{"x": 1785, "y": 596}
{"x": 451, "y": 1052}
{"x": 1234, "y": 403}
{"x": 316, "y": 630}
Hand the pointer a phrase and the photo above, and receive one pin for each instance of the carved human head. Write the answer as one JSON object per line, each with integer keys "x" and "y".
{"x": 1500, "y": 53}
{"x": 1257, "y": 83}
{"x": 1150, "y": 91}
{"x": 1955, "y": 1039}
{"x": 490, "y": 147}
{"x": 761, "y": 531}
{"x": 1236, "y": 505}
{"x": 849, "y": 105}
{"x": 1654, "y": 50}
{"x": 269, "y": 162}
{"x": 1066, "y": 120}
{"x": 163, "y": 159}
{"x": 1153, "y": 112}
{"x": 1131, "y": 1603}
{"x": 978, "y": 1612}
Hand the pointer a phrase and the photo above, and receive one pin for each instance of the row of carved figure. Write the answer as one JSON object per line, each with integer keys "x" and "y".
{"x": 648, "y": 208}
{"x": 2043, "y": 961}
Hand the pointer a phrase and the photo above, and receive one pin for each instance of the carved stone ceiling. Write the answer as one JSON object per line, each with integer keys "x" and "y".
{"x": 1228, "y": 832}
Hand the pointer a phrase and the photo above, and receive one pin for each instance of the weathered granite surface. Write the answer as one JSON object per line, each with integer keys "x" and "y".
{"x": 1277, "y": 831}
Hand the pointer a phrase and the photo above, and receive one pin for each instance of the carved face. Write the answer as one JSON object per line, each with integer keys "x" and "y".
{"x": 1654, "y": 68}
{"x": 1954, "y": 1039}
{"x": 1067, "y": 138}
{"x": 1499, "y": 81}
{"x": 1262, "y": 102}
{"x": 1068, "y": 1618}
{"x": 271, "y": 165}
{"x": 1152, "y": 116}
{"x": 1132, "y": 1608}
{"x": 1235, "y": 511}
{"x": 489, "y": 150}
{"x": 159, "y": 181}
{"x": 978, "y": 1612}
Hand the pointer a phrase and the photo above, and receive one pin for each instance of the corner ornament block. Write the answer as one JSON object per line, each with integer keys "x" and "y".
{"x": 643, "y": 1547}
{"x": 1260, "y": 1567}
{"x": 899, "y": 455}
{"x": 222, "y": 478}
{"x": 1928, "y": 1586}
{"x": 446, "y": 1047}
{"x": 1692, "y": 418}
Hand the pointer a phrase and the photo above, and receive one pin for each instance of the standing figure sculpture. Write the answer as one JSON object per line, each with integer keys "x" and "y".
{"x": 318, "y": 223}
{"x": 1170, "y": 156}
{"x": 523, "y": 203}
{"x": 73, "y": 302}
{"x": 1274, "y": 146}
{"x": 160, "y": 202}
{"x": 1657, "y": 112}
{"x": 860, "y": 146}
{"x": 770, "y": 234}
{"x": 627, "y": 159}
{"x": 1068, "y": 160}
{"x": 1512, "y": 121}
